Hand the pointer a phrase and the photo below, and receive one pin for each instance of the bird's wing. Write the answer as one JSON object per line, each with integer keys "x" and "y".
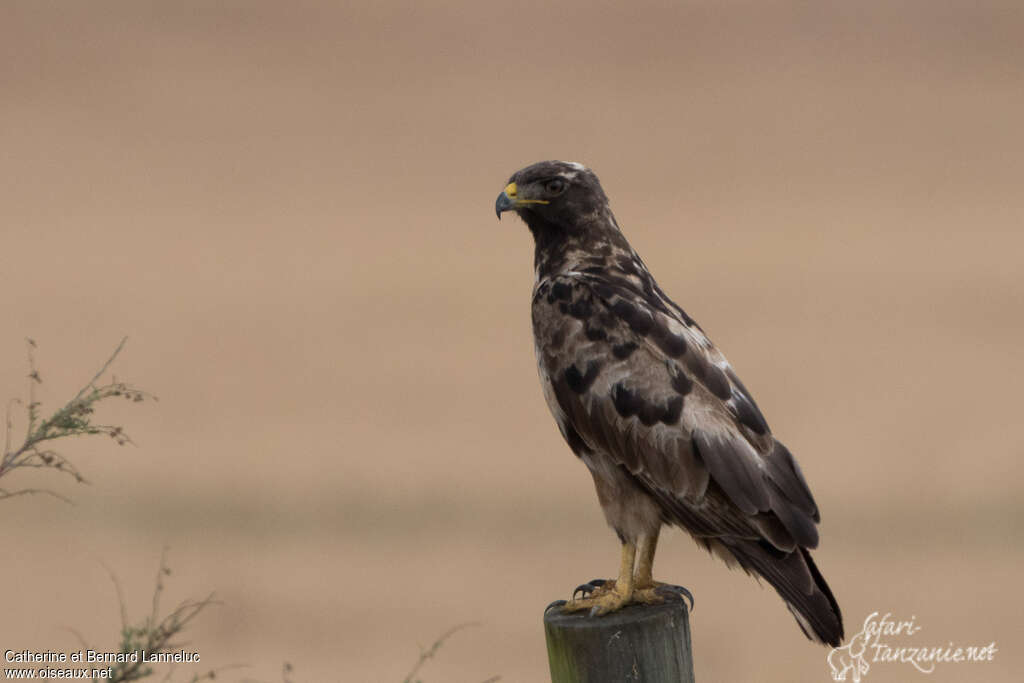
{"x": 634, "y": 383}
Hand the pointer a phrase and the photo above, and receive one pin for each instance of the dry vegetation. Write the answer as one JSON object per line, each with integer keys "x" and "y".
{"x": 157, "y": 632}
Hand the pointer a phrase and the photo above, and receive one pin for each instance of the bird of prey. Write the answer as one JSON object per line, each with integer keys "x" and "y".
{"x": 656, "y": 413}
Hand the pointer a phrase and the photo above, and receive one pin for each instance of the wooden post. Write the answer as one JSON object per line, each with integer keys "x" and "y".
{"x": 649, "y": 643}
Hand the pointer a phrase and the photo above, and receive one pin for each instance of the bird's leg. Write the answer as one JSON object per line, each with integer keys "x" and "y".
{"x": 645, "y": 562}
{"x": 609, "y": 596}
{"x": 646, "y": 589}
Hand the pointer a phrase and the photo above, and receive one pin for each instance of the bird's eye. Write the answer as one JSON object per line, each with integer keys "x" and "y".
{"x": 554, "y": 186}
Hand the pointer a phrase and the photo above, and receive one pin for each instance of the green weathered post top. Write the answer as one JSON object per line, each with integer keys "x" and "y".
{"x": 649, "y": 643}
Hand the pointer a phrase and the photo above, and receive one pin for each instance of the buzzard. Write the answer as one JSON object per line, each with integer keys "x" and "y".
{"x": 668, "y": 431}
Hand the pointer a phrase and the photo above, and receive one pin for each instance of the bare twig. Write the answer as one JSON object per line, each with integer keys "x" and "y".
{"x": 155, "y": 634}
{"x": 430, "y": 652}
{"x": 79, "y": 637}
{"x": 92, "y": 383}
{"x": 73, "y": 419}
{"x": 120, "y": 597}
{"x": 4, "y": 493}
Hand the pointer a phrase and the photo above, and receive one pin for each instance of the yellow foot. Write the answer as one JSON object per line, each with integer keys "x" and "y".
{"x": 656, "y": 592}
{"x": 603, "y": 598}
{"x": 648, "y": 596}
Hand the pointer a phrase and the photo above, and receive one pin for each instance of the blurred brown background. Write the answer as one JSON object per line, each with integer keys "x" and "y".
{"x": 288, "y": 208}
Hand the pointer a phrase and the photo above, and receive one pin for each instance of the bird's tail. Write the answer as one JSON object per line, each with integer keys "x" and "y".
{"x": 797, "y": 579}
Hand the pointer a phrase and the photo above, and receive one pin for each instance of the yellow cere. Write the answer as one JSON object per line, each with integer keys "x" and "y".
{"x": 511, "y": 190}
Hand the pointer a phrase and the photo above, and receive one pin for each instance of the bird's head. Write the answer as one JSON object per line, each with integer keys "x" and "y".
{"x": 560, "y": 194}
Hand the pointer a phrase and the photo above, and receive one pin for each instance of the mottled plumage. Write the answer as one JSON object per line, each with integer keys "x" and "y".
{"x": 654, "y": 410}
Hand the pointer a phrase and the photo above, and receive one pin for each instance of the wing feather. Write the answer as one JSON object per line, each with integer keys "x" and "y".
{"x": 643, "y": 389}
{"x": 636, "y": 386}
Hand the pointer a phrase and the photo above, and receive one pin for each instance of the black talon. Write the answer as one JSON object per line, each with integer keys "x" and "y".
{"x": 676, "y": 592}
{"x": 583, "y": 590}
{"x": 588, "y": 587}
{"x": 556, "y": 603}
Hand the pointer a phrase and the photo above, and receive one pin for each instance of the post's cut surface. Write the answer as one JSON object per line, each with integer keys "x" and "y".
{"x": 649, "y": 643}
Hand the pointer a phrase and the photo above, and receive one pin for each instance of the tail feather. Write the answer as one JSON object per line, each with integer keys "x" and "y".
{"x": 797, "y": 579}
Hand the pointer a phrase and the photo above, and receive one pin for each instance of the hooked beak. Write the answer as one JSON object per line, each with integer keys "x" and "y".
{"x": 510, "y": 200}
{"x": 505, "y": 202}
